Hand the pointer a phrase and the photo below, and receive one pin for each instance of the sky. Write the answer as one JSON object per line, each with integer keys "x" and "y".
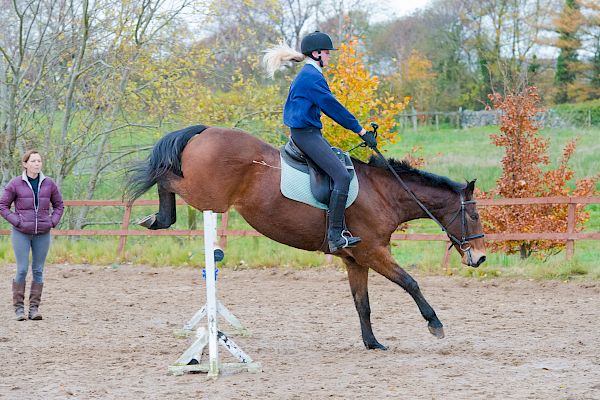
{"x": 400, "y": 7}
{"x": 403, "y": 7}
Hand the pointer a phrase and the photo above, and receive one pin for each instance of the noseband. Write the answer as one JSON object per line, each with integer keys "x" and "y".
{"x": 463, "y": 242}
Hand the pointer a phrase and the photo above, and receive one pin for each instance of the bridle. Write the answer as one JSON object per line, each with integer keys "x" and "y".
{"x": 465, "y": 237}
{"x": 464, "y": 242}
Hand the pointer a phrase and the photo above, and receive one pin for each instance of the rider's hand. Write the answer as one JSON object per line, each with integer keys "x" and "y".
{"x": 370, "y": 139}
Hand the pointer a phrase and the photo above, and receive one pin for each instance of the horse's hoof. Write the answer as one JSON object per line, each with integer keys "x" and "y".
{"x": 148, "y": 221}
{"x": 375, "y": 346}
{"x": 438, "y": 331}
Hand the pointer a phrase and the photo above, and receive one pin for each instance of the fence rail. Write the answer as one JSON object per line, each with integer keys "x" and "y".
{"x": 570, "y": 236}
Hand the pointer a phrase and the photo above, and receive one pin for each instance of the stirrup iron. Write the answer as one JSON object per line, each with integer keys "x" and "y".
{"x": 349, "y": 241}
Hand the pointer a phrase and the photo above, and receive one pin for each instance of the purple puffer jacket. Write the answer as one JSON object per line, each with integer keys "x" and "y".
{"x": 27, "y": 218}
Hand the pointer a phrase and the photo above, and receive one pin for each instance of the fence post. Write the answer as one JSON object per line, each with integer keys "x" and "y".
{"x": 124, "y": 226}
{"x": 224, "y": 225}
{"x": 414, "y": 118}
{"x": 571, "y": 230}
{"x": 437, "y": 122}
{"x": 192, "y": 218}
{"x": 446, "y": 259}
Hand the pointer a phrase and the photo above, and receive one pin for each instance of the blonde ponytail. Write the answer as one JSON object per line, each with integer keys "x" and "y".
{"x": 277, "y": 55}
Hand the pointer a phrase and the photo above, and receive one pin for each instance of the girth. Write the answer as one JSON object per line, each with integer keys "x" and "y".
{"x": 321, "y": 184}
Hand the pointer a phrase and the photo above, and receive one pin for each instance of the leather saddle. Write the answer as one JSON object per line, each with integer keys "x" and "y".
{"x": 321, "y": 184}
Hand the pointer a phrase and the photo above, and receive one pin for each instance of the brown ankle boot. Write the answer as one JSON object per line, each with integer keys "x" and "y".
{"x": 35, "y": 297}
{"x": 18, "y": 290}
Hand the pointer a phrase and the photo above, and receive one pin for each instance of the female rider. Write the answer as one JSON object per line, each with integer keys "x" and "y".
{"x": 309, "y": 95}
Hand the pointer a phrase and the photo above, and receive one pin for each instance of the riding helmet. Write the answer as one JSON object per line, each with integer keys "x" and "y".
{"x": 316, "y": 41}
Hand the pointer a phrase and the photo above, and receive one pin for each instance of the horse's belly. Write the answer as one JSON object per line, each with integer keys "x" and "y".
{"x": 297, "y": 225}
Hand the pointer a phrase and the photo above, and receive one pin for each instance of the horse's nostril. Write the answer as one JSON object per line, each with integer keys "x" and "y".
{"x": 481, "y": 261}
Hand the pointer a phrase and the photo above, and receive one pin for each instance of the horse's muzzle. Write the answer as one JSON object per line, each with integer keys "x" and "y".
{"x": 473, "y": 258}
{"x": 479, "y": 262}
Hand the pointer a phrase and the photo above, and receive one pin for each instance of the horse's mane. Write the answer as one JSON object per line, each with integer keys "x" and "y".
{"x": 403, "y": 167}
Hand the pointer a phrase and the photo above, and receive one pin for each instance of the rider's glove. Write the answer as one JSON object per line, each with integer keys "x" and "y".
{"x": 370, "y": 139}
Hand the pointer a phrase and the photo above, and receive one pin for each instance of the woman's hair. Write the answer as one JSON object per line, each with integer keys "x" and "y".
{"x": 277, "y": 55}
{"x": 28, "y": 154}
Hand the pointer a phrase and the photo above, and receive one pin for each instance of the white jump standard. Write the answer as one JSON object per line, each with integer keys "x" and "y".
{"x": 190, "y": 360}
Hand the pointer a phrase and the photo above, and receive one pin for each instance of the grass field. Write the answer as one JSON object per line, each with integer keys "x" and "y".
{"x": 458, "y": 154}
{"x": 469, "y": 153}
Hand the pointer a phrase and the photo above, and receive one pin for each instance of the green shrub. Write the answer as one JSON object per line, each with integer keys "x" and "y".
{"x": 580, "y": 114}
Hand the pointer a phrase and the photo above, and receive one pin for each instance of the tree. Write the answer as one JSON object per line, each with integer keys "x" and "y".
{"x": 66, "y": 85}
{"x": 27, "y": 54}
{"x": 356, "y": 89}
{"x": 595, "y": 81}
{"x": 591, "y": 29}
{"x": 473, "y": 46}
{"x": 293, "y": 17}
{"x": 523, "y": 176}
{"x": 343, "y": 18}
{"x": 567, "y": 27}
{"x": 416, "y": 79}
{"x": 444, "y": 39}
{"x": 138, "y": 27}
{"x": 236, "y": 31}
{"x": 502, "y": 37}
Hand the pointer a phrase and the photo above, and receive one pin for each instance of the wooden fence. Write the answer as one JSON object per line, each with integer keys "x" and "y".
{"x": 570, "y": 236}
{"x": 415, "y": 119}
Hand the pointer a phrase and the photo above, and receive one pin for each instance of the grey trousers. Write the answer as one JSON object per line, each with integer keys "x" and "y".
{"x": 38, "y": 246}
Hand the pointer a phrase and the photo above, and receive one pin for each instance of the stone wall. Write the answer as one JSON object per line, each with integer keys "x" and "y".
{"x": 470, "y": 119}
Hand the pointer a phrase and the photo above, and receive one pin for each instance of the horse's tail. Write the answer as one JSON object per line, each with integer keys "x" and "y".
{"x": 165, "y": 158}
{"x": 277, "y": 55}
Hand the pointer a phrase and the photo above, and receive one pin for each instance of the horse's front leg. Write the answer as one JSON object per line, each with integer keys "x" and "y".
{"x": 358, "y": 277}
{"x": 382, "y": 261}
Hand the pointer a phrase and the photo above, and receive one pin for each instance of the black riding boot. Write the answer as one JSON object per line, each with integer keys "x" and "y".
{"x": 338, "y": 238}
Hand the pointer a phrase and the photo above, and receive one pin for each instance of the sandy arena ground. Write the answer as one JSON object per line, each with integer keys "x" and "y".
{"x": 107, "y": 334}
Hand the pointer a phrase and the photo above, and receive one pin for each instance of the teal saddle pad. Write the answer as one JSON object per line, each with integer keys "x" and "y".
{"x": 295, "y": 185}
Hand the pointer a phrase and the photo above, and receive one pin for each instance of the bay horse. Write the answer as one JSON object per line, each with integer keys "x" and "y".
{"x": 216, "y": 169}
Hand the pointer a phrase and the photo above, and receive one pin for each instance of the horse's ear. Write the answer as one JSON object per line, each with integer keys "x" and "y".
{"x": 470, "y": 189}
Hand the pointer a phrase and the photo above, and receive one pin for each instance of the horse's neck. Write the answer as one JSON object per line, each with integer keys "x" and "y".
{"x": 435, "y": 199}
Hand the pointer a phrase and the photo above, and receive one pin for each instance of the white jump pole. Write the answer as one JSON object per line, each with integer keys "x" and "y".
{"x": 190, "y": 360}
{"x": 210, "y": 228}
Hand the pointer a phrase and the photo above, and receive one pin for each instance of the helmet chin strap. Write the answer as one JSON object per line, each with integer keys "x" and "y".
{"x": 318, "y": 59}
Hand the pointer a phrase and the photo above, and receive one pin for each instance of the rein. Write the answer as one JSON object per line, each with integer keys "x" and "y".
{"x": 464, "y": 240}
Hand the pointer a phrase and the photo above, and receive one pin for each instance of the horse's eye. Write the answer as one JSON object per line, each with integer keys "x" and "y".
{"x": 475, "y": 217}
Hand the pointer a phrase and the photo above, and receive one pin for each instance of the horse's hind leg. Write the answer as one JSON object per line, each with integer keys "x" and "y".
{"x": 382, "y": 261}
{"x": 358, "y": 277}
{"x": 167, "y": 213}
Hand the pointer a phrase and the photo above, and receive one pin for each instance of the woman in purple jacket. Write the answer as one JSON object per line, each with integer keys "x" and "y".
{"x": 32, "y": 193}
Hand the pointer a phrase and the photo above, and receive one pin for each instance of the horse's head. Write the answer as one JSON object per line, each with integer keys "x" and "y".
{"x": 452, "y": 206}
{"x": 464, "y": 229}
